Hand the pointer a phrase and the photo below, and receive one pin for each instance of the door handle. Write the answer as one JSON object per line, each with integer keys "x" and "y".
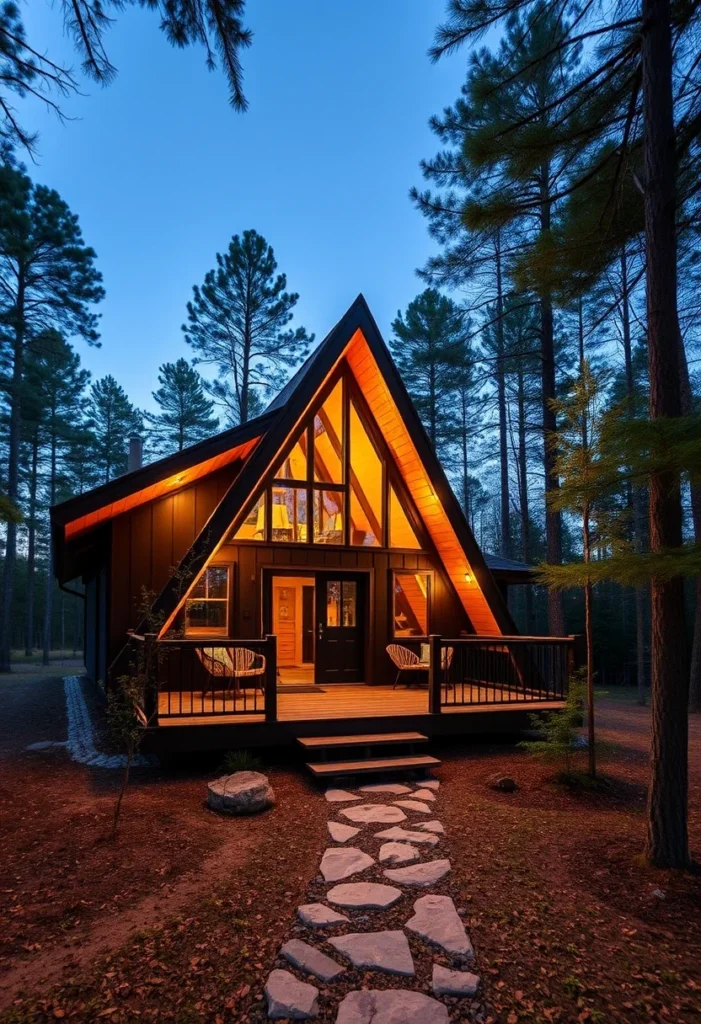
{"x": 320, "y": 630}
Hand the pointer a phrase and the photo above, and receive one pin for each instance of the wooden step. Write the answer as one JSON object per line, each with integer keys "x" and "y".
{"x": 370, "y": 739}
{"x": 329, "y": 769}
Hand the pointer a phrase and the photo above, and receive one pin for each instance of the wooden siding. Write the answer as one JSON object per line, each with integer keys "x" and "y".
{"x": 149, "y": 540}
{"x": 447, "y": 615}
{"x": 383, "y": 408}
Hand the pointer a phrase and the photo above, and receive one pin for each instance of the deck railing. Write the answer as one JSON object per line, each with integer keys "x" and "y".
{"x": 498, "y": 670}
{"x": 198, "y": 678}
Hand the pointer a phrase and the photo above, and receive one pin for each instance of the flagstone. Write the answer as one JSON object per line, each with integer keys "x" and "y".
{"x": 343, "y": 861}
{"x": 385, "y": 787}
{"x": 431, "y": 784}
{"x": 437, "y": 921}
{"x": 430, "y": 826}
{"x": 424, "y": 794}
{"x": 368, "y": 895}
{"x": 318, "y": 916}
{"x": 413, "y": 805}
{"x": 340, "y": 833}
{"x": 397, "y": 853}
{"x": 454, "y": 983}
{"x": 377, "y": 951}
{"x": 289, "y": 998}
{"x": 408, "y": 835}
{"x": 381, "y": 813}
{"x": 337, "y": 796}
{"x": 391, "y": 1006}
{"x": 311, "y": 960}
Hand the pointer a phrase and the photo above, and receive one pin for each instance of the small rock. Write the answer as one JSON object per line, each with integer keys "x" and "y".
{"x": 289, "y": 998}
{"x": 431, "y": 826}
{"x": 391, "y": 1006}
{"x": 381, "y": 813}
{"x": 437, "y": 921}
{"x": 340, "y": 832}
{"x": 397, "y": 853}
{"x": 369, "y": 895}
{"x": 425, "y": 794}
{"x": 503, "y": 782}
{"x": 385, "y": 787}
{"x": 339, "y": 796}
{"x": 318, "y": 916}
{"x": 419, "y": 874}
{"x": 413, "y": 805}
{"x": 240, "y": 793}
{"x": 344, "y": 861}
{"x": 454, "y": 983}
{"x": 378, "y": 951}
{"x": 405, "y": 834}
{"x": 311, "y": 960}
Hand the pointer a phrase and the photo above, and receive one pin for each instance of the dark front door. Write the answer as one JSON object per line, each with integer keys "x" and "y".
{"x": 340, "y": 627}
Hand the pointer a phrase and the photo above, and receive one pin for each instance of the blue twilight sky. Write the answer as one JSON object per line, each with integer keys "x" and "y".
{"x": 162, "y": 171}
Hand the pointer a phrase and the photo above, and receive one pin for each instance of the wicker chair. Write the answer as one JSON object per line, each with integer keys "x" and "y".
{"x": 405, "y": 660}
{"x": 245, "y": 664}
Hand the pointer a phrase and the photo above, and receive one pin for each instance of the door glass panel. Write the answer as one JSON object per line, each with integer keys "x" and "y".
{"x": 401, "y": 533}
{"x": 328, "y": 439}
{"x": 328, "y": 517}
{"x": 294, "y": 466}
{"x": 289, "y": 514}
{"x": 253, "y": 526}
{"x": 349, "y": 603}
{"x": 410, "y": 603}
{"x": 366, "y": 486}
{"x": 333, "y": 603}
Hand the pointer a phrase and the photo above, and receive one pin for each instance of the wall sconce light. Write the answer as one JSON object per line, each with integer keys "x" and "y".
{"x": 468, "y": 577}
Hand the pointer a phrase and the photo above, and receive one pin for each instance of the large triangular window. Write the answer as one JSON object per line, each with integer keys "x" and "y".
{"x": 331, "y": 485}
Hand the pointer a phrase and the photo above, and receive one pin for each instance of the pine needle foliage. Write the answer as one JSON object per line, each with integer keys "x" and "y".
{"x": 559, "y": 729}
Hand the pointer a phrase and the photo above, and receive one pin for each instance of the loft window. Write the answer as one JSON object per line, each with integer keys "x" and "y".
{"x": 288, "y": 514}
{"x": 253, "y": 526}
{"x": 294, "y": 465}
{"x": 328, "y": 517}
{"x": 328, "y": 439}
{"x": 207, "y": 607}
{"x": 401, "y": 532}
{"x": 366, "y": 486}
{"x": 411, "y": 595}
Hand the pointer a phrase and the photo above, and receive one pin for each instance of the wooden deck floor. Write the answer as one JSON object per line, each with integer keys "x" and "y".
{"x": 336, "y": 702}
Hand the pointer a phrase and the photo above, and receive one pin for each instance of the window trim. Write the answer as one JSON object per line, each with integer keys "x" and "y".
{"x": 227, "y": 601}
{"x": 430, "y": 574}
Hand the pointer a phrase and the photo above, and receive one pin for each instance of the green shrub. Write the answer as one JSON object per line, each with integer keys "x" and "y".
{"x": 240, "y": 761}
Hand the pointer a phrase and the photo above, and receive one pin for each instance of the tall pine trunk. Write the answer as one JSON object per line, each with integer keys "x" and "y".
{"x": 695, "y": 492}
{"x": 48, "y": 607}
{"x": 523, "y": 492}
{"x": 31, "y": 542}
{"x": 589, "y": 637}
{"x": 667, "y": 842}
{"x": 505, "y": 505}
{"x": 8, "y": 579}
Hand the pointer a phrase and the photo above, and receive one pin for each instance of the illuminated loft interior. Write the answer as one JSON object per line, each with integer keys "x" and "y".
{"x": 331, "y": 487}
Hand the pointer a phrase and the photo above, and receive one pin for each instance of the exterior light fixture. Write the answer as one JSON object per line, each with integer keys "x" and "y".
{"x": 468, "y": 577}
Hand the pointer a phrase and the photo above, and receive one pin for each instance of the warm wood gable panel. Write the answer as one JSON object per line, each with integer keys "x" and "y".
{"x": 382, "y": 405}
{"x": 168, "y": 485}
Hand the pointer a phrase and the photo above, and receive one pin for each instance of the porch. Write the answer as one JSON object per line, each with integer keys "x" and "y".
{"x": 204, "y": 683}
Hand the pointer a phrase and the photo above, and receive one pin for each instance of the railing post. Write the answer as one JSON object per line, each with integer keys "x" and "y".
{"x": 435, "y": 674}
{"x": 271, "y": 678}
{"x": 151, "y": 675}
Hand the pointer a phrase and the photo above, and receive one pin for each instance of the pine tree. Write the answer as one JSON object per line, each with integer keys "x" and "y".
{"x": 238, "y": 321}
{"x": 48, "y": 280}
{"x": 113, "y": 420}
{"x": 185, "y": 415}
{"x": 430, "y": 350}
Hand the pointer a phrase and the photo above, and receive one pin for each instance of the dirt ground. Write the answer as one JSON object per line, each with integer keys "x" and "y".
{"x": 179, "y": 919}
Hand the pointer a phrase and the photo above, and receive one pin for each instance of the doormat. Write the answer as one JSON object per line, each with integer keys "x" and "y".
{"x": 299, "y": 688}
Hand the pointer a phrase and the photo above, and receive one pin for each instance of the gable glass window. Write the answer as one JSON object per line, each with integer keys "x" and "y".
{"x": 328, "y": 517}
{"x": 401, "y": 532}
{"x": 294, "y": 466}
{"x": 328, "y": 439}
{"x": 411, "y": 595}
{"x": 207, "y": 607}
{"x": 288, "y": 514}
{"x": 253, "y": 526}
{"x": 366, "y": 486}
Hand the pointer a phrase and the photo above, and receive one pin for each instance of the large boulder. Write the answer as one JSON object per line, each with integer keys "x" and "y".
{"x": 240, "y": 793}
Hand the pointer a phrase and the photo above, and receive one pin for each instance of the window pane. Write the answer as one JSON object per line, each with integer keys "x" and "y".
{"x": 294, "y": 467}
{"x": 349, "y": 611}
{"x": 328, "y": 439}
{"x": 253, "y": 526}
{"x": 289, "y": 514}
{"x": 333, "y": 603}
{"x": 366, "y": 486}
{"x": 401, "y": 533}
{"x": 206, "y": 618}
{"x": 328, "y": 517}
{"x": 217, "y": 578}
{"x": 411, "y": 603}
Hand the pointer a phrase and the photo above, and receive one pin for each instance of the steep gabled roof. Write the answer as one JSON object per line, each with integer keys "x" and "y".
{"x": 357, "y": 340}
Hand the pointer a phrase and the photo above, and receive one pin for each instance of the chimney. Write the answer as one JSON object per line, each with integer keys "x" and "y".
{"x": 136, "y": 453}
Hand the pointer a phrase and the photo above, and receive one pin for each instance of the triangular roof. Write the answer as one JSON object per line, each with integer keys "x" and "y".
{"x": 357, "y": 340}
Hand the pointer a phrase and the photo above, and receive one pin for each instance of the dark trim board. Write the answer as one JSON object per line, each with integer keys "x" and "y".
{"x": 503, "y": 721}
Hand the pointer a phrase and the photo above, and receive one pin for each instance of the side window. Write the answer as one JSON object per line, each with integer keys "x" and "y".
{"x": 411, "y": 595}
{"x": 207, "y": 607}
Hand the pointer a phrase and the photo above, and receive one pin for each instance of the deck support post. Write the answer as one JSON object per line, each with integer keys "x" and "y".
{"x": 150, "y": 670}
{"x": 435, "y": 674}
{"x": 271, "y": 678}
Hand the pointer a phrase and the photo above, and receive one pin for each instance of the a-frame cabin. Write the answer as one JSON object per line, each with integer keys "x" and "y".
{"x": 310, "y": 571}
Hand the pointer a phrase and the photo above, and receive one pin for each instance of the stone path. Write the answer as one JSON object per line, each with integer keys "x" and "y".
{"x": 362, "y": 949}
